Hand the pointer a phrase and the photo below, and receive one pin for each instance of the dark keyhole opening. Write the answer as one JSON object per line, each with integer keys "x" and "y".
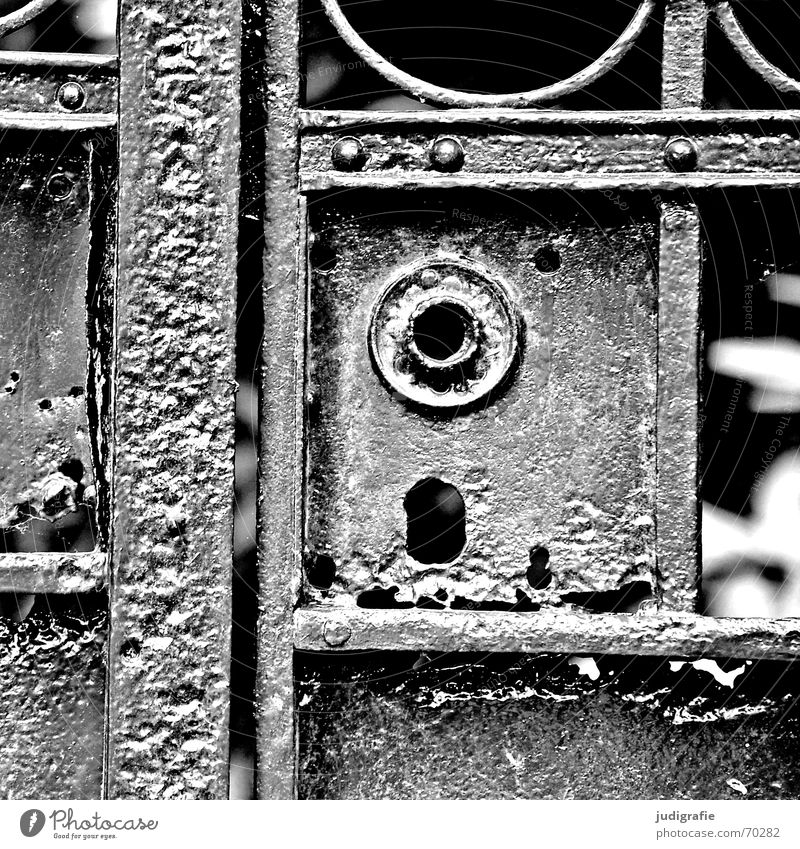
{"x": 436, "y": 531}
{"x": 440, "y": 330}
{"x": 538, "y": 574}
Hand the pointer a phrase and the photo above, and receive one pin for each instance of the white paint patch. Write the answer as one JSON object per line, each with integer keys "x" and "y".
{"x": 727, "y": 679}
{"x": 586, "y": 666}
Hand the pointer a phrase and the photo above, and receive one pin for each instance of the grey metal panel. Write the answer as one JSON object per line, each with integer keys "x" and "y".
{"x": 562, "y": 455}
{"x": 52, "y": 677}
{"x": 46, "y": 481}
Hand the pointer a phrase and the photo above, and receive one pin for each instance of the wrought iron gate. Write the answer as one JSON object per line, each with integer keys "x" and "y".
{"x": 480, "y": 414}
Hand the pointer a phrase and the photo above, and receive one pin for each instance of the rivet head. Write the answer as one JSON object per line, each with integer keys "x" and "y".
{"x": 59, "y": 186}
{"x": 348, "y": 154}
{"x": 447, "y": 154}
{"x": 71, "y": 96}
{"x": 681, "y": 154}
{"x": 336, "y": 633}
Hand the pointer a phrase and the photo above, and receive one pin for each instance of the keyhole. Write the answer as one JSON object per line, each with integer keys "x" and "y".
{"x": 440, "y": 331}
{"x": 436, "y": 531}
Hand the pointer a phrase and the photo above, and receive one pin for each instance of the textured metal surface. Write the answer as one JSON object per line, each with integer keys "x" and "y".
{"x": 563, "y": 457}
{"x": 678, "y": 512}
{"x": 450, "y": 97}
{"x": 538, "y": 156}
{"x": 30, "y": 85}
{"x": 52, "y": 573}
{"x": 283, "y": 377}
{"x": 415, "y": 364}
{"x": 47, "y": 494}
{"x": 683, "y": 63}
{"x": 684, "y": 635}
{"x": 510, "y": 727}
{"x": 174, "y": 401}
{"x": 52, "y": 676}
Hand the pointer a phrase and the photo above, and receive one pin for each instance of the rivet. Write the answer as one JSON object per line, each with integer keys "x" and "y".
{"x": 348, "y": 154}
{"x": 59, "y": 186}
{"x": 71, "y": 96}
{"x": 336, "y": 633}
{"x": 447, "y": 154}
{"x": 681, "y": 154}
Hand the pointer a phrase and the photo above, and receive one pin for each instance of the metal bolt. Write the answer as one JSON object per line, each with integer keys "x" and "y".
{"x": 336, "y": 633}
{"x": 348, "y": 154}
{"x": 59, "y": 186}
{"x": 447, "y": 154}
{"x": 71, "y": 96}
{"x": 681, "y": 154}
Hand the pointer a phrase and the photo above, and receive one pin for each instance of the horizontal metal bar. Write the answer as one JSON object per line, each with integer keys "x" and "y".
{"x": 314, "y": 181}
{"x": 107, "y": 63}
{"x": 60, "y": 90}
{"x": 46, "y": 121}
{"x": 622, "y": 158}
{"x": 53, "y": 573}
{"x": 313, "y": 119}
{"x": 678, "y": 634}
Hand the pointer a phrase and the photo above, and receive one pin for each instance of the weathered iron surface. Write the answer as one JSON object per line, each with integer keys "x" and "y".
{"x": 42, "y": 86}
{"x": 47, "y": 493}
{"x": 52, "y": 676}
{"x": 678, "y": 512}
{"x": 52, "y": 573}
{"x": 464, "y": 726}
{"x": 683, "y": 64}
{"x": 417, "y": 365}
{"x": 723, "y": 158}
{"x": 680, "y": 634}
{"x": 282, "y": 425}
{"x": 561, "y": 457}
{"x": 174, "y": 401}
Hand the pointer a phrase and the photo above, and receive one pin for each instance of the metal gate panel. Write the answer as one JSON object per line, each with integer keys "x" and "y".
{"x": 55, "y": 115}
{"x": 559, "y": 455}
{"x": 321, "y": 386}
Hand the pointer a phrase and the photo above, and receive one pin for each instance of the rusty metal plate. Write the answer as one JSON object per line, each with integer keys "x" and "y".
{"x": 555, "y": 465}
{"x": 46, "y": 480}
{"x": 52, "y": 676}
{"x": 456, "y": 726}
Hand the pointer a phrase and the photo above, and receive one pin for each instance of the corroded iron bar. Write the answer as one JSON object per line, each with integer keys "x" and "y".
{"x": 281, "y": 464}
{"x": 675, "y": 634}
{"x": 52, "y": 573}
{"x": 707, "y": 121}
{"x": 635, "y": 155}
{"x": 677, "y": 431}
{"x": 684, "y": 60}
{"x": 316, "y": 182}
{"x": 168, "y": 700}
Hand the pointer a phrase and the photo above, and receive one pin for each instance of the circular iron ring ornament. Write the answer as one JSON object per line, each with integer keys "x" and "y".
{"x": 24, "y": 15}
{"x": 453, "y": 97}
{"x": 751, "y": 54}
{"x": 482, "y": 324}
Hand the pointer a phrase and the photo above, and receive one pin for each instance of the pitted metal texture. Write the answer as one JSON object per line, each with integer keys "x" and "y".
{"x": 443, "y": 333}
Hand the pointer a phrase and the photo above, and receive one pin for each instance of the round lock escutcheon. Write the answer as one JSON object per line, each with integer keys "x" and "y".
{"x": 444, "y": 332}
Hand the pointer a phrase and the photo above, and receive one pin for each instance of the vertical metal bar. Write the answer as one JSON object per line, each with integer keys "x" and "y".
{"x": 677, "y": 442}
{"x": 683, "y": 66}
{"x": 281, "y": 463}
{"x": 167, "y": 725}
